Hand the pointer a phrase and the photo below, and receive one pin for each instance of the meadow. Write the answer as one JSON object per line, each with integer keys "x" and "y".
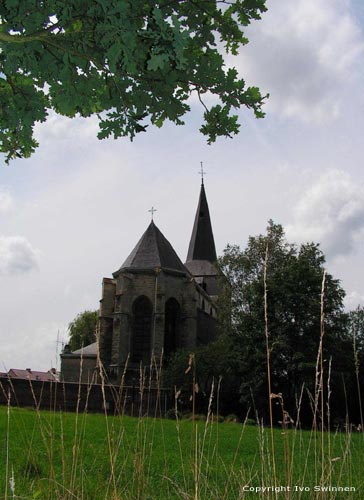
{"x": 64, "y": 456}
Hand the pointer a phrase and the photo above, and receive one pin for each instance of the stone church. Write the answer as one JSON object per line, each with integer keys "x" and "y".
{"x": 154, "y": 303}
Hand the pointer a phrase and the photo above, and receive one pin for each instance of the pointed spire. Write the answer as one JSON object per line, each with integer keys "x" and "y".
{"x": 202, "y": 244}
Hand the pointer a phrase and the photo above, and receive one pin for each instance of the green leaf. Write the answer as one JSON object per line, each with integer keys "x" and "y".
{"x": 157, "y": 61}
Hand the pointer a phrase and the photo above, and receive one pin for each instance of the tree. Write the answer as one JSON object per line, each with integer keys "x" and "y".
{"x": 82, "y": 330}
{"x": 356, "y": 332}
{"x": 126, "y": 62}
{"x": 294, "y": 280}
{"x": 294, "y": 276}
{"x": 202, "y": 372}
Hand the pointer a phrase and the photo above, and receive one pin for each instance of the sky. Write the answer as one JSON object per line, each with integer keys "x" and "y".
{"x": 72, "y": 213}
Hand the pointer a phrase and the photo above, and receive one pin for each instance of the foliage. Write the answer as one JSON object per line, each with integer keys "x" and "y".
{"x": 356, "y": 329}
{"x": 237, "y": 361}
{"x": 126, "y": 62}
{"x": 356, "y": 333}
{"x": 82, "y": 330}
{"x": 198, "y": 372}
{"x": 294, "y": 282}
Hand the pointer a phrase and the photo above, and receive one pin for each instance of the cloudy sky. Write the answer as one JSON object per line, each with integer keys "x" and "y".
{"x": 71, "y": 214}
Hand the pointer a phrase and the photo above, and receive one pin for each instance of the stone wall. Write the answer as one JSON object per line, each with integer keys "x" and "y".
{"x": 55, "y": 396}
{"x": 106, "y": 319}
{"x": 158, "y": 287}
{"x": 79, "y": 368}
{"x": 206, "y": 327}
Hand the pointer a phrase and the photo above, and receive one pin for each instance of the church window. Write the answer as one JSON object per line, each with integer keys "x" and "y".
{"x": 171, "y": 326}
{"x": 142, "y": 330}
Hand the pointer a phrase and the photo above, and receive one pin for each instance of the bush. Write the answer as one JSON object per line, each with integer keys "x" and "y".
{"x": 172, "y": 415}
{"x": 232, "y": 418}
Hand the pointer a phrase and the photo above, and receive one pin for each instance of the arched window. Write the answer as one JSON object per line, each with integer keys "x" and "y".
{"x": 142, "y": 330}
{"x": 172, "y": 315}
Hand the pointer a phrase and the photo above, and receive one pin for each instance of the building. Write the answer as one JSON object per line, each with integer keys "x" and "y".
{"x": 32, "y": 375}
{"x": 153, "y": 303}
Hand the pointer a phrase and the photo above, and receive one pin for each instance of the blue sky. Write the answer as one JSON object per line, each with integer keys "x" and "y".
{"x": 71, "y": 214}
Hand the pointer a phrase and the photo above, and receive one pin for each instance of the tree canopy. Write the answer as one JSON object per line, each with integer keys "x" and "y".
{"x": 294, "y": 277}
{"x": 128, "y": 62}
{"x": 82, "y": 330}
{"x": 294, "y": 282}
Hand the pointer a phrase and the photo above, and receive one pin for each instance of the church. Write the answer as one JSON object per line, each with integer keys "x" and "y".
{"x": 153, "y": 304}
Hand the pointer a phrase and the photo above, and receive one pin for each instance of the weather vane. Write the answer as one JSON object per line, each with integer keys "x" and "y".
{"x": 202, "y": 172}
{"x": 152, "y": 210}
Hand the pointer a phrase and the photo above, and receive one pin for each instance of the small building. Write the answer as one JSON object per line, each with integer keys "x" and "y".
{"x": 33, "y": 375}
{"x": 153, "y": 304}
{"x": 80, "y": 365}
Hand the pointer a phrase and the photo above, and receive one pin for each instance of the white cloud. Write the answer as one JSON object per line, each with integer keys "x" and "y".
{"x": 46, "y": 341}
{"x": 17, "y": 256}
{"x": 6, "y": 202}
{"x": 353, "y": 300}
{"x": 304, "y": 54}
{"x": 63, "y": 128}
{"x": 330, "y": 212}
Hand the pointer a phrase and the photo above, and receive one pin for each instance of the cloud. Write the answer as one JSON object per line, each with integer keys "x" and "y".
{"x": 330, "y": 212}
{"x": 47, "y": 340}
{"x": 16, "y": 255}
{"x": 6, "y": 202}
{"x": 304, "y": 53}
{"x": 64, "y": 128}
{"x": 353, "y": 300}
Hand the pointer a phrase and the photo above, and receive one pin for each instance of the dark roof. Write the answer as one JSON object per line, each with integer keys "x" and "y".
{"x": 29, "y": 374}
{"x": 88, "y": 350}
{"x": 202, "y": 244}
{"x": 201, "y": 268}
{"x": 153, "y": 251}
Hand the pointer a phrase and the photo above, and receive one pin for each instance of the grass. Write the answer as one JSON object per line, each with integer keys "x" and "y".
{"x": 82, "y": 456}
{"x": 64, "y": 456}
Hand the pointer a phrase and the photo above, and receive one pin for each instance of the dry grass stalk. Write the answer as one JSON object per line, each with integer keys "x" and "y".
{"x": 356, "y": 362}
{"x": 268, "y": 351}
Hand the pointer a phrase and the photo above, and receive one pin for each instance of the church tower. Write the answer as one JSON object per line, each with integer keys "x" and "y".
{"x": 201, "y": 257}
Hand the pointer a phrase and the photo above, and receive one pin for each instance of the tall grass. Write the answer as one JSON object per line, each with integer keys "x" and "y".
{"x": 53, "y": 455}
{"x": 64, "y": 456}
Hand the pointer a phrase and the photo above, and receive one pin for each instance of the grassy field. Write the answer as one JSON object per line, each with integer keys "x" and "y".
{"x": 66, "y": 456}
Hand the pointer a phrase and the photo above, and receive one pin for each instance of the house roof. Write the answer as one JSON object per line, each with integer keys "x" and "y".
{"x": 202, "y": 243}
{"x": 29, "y": 374}
{"x": 152, "y": 251}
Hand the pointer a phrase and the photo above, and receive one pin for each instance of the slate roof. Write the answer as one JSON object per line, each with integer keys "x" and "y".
{"x": 153, "y": 251}
{"x": 202, "y": 244}
{"x": 87, "y": 350}
{"x": 201, "y": 268}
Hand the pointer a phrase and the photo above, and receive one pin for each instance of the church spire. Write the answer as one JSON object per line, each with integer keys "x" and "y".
{"x": 202, "y": 244}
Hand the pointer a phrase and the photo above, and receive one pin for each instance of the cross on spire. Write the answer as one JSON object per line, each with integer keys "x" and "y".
{"x": 202, "y": 172}
{"x": 152, "y": 210}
